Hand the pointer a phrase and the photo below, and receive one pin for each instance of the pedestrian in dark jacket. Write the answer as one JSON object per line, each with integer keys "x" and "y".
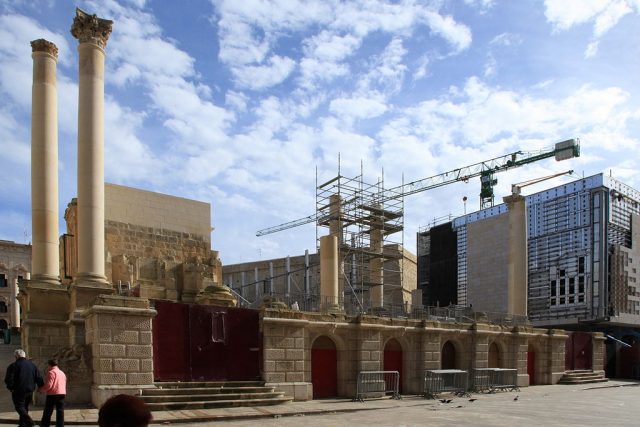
{"x": 22, "y": 378}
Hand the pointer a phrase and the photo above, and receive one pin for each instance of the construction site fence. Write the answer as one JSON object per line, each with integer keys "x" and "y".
{"x": 376, "y": 384}
{"x": 354, "y": 306}
{"x": 445, "y": 381}
{"x": 493, "y": 379}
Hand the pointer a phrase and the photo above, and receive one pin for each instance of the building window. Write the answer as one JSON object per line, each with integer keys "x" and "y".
{"x": 3, "y": 307}
{"x": 3, "y": 281}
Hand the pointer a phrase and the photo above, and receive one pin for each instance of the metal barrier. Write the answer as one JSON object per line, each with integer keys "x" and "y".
{"x": 492, "y": 379}
{"x": 504, "y": 379}
{"x": 378, "y": 383}
{"x": 481, "y": 380}
{"x": 445, "y": 381}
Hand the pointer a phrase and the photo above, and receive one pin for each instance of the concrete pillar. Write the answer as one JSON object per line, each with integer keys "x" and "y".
{"x": 92, "y": 34}
{"x": 45, "y": 264}
{"x": 335, "y": 229}
{"x": 376, "y": 264}
{"x": 329, "y": 271}
{"x": 517, "y": 266}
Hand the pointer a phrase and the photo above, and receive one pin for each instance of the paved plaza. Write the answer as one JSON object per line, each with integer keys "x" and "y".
{"x": 616, "y": 403}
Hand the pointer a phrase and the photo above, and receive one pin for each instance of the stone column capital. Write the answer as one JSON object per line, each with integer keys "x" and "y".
{"x": 42, "y": 45}
{"x": 91, "y": 29}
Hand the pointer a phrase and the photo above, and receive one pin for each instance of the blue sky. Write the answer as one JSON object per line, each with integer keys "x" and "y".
{"x": 237, "y": 103}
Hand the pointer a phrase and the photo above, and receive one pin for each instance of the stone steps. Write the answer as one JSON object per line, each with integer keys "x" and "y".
{"x": 582, "y": 377}
{"x": 170, "y": 396}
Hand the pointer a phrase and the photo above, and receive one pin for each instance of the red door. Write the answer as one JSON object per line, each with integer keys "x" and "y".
{"x": 324, "y": 368}
{"x": 577, "y": 354}
{"x": 531, "y": 367}
{"x": 205, "y": 343}
{"x": 171, "y": 342}
{"x": 393, "y": 359}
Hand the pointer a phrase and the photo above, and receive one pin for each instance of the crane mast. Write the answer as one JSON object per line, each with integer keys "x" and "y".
{"x": 485, "y": 170}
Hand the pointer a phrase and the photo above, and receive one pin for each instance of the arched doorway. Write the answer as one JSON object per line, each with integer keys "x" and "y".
{"x": 448, "y": 356}
{"x": 324, "y": 368}
{"x": 392, "y": 360}
{"x": 531, "y": 364}
{"x": 495, "y": 357}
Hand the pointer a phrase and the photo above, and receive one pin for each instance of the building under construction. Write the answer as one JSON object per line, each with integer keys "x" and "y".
{"x": 375, "y": 270}
{"x": 582, "y": 261}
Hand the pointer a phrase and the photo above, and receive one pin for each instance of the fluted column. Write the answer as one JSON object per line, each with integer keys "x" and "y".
{"x": 45, "y": 264}
{"x": 92, "y": 34}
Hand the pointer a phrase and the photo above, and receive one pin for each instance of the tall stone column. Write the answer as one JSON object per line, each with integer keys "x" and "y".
{"x": 92, "y": 34}
{"x": 45, "y": 264}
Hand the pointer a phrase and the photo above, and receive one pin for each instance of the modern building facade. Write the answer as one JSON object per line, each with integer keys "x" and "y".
{"x": 582, "y": 259}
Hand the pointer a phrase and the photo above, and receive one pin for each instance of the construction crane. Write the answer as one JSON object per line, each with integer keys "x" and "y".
{"x": 485, "y": 170}
{"x": 516, "y": 188}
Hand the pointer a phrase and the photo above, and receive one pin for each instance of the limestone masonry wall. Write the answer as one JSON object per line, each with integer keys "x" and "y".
{"x": 289, "y": 336}
{"x": 118, "y": 330}
{"x": 155, "y": 210}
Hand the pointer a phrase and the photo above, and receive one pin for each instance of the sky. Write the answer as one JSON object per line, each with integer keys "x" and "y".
{"x": 247, "y": 105}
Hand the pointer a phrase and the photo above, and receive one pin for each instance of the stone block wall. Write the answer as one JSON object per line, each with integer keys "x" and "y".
{"x": 289, "y": 338}
{"x": 118, "y": 329}
{"x": 599, "y": 352}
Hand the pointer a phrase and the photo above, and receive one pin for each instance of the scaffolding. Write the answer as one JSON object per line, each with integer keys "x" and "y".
{"x": 368, "y": 221}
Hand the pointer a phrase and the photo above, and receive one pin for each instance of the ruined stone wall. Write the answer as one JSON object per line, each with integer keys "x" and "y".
{"x": 153, "y": 242}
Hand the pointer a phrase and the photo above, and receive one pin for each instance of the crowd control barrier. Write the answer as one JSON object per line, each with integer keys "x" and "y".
{"x": 378, "y": 383}
{"x": 445, "y": 381}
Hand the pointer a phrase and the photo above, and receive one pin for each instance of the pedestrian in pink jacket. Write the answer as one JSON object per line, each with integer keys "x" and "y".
{"x": 55, "y": 387}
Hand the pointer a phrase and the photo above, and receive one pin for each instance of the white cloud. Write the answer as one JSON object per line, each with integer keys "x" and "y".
{"x": 331, "y": 47}
{"x": 386, "y": 71}
{"x": 250, "y": 33}
{"x": 445, "y": 26}
{"x": 565, "y": 14}
{"x": 592, "y": 49}
{"x": 422, "y": 69}
{"x": 258, "y": 77}
{"x": 358, "y": 108}
{"x": 236, "y": 100}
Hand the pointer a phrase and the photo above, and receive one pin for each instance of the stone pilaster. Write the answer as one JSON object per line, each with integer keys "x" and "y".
{"x": 45, "y": 264}
{"x": 556, "y": 348}
{"x": 119, "y": 332}
{"x": 286, "y": 358}
{"x": 598, "y": 356}
{"x": 479, "y": 356}
{"x": 430, "y": 350}
{"x": 92, "y": 34}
